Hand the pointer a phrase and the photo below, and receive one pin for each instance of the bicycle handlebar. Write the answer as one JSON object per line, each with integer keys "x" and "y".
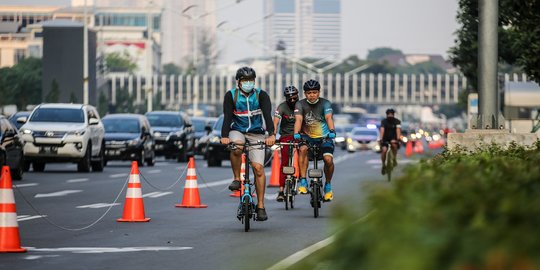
{"x": 233, "y": 145}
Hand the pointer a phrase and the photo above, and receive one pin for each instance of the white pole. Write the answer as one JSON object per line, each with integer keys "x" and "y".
{"x": 85, "y": 56}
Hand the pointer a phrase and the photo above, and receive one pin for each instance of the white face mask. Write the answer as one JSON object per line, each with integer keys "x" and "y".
{"x": 247, "y": 86}
{"x": 314, "y": 102}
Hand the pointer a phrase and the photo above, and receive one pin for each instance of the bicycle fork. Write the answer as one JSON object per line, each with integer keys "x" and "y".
{"x": 246, "y": 195}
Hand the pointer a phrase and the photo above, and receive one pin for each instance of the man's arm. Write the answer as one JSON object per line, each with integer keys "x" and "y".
{"x": 298, "y": 118}
{"x": 330, "y": 121}
{"x": 276, "y": 122}
{"x": 227, "y": 115}
{"x": 266, "y": 108}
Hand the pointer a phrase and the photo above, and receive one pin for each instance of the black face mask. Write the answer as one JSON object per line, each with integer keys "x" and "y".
{"x": 291, "y": 101}
{"x": 389, "y": 117}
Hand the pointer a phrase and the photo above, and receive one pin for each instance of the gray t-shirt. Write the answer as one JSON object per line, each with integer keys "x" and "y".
{"x": 286, "y": 114}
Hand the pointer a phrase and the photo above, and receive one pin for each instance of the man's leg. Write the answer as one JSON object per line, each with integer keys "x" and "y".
{"x": 395, "y": 149}
{"x": 260, "y": 183}
{"x": 303, "y": 163}
{"x": 328, "y": 167}
{"x": 284, "y": 162}
{"x": 236, "y": 159}
{"x": 384, "y": 148}
{"x": 256, "y": 156}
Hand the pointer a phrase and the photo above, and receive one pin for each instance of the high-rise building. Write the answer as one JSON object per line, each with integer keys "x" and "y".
{"x": 306, "y": 28}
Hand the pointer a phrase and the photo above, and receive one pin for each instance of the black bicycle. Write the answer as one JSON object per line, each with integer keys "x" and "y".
{"x": 289, "y": 190}
{"x": 246, "y": 208}
{"x": 315, "y": 175}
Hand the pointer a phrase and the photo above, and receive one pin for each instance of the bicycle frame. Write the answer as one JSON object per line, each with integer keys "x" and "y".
{"x": 315, "y": 176}
{"x": 289, "y": 171}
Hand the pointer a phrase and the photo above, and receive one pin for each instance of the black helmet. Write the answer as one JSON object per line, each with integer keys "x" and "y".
{"x": 390, "y": 110}
{"x": 312, "y": 85}
{"x": 290, "y": 91}
{"x": 245, "y": 73}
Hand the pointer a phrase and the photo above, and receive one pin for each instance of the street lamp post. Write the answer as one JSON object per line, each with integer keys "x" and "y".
{"x": 85, "y": 56}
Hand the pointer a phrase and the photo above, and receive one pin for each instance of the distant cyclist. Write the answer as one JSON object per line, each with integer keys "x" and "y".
{"x": 314, "y": 123}
{"x": 244, "y": 108}
{"x": 284, "y": 117}
{"x": 390, "y": 133}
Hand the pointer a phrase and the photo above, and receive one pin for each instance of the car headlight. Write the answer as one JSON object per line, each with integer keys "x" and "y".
{"x": 157, "y": 134}
{"x": 349, "y": 140}
{"x": 340, "y": 139}
{"x": 133, "y": 142}
{"x": 26, "y": 131}
{"x": 79, "y": 132}
{"x": 214, "y": 139}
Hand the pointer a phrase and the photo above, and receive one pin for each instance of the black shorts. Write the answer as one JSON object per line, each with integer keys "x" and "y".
{"x": 326, "y": 147}
{"x": 386, "y": 143}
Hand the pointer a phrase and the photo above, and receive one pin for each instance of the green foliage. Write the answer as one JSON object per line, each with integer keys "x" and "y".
{"x": 519, "y": 38}
{"x": 124, "y": 102}
{"x": 21, "y": 84}
{"x": 378, "y": 53}
{"x": 460, "y": 210}
{"x": 103, "y": 104}
{"x": 171, "y": 69}
{"x": 117, "y": 62}
{"x": 73, "y": 98}
{"x": 54, "y": 95}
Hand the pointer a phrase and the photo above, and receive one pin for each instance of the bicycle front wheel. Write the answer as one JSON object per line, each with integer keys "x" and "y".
{"x": 246, "y": 208}
{"x": 315, "y": 199}
{"x": 389, "y": 164}
{"x": 287, "y": 193}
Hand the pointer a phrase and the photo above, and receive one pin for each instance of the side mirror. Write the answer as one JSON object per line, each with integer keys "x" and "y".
{"x": 93, "y": 121}
{"x": 22, "y": 119}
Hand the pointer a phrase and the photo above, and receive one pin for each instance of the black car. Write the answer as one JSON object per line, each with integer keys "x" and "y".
{"x": 128, "y": 137}
{"x": 11, "y": 148}
{"x": 173, "y": 133}
{"x": 13, "y": 118}
{"x": 215, "y": 152}
{"x": 202, "y": 127}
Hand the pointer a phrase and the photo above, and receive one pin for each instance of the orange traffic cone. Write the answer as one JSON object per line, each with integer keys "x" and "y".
{"x": 191, "y": 198}
{"x": 242, "y": 177}
{"x": 276, "y": 171}
{"x": 419, "y": 147}
{"x": 9, "y": 228}
{"x": 408, "y": 149}
{"x": 134, "y": 205}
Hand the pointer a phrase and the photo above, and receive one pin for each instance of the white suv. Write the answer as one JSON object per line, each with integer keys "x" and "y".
{"x": 63, "y": 133}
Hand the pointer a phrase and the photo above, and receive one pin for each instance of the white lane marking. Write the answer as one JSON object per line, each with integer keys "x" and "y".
{"x": 376, "y": 166}
{"x": 156, "y": 194}
{"x": 37, "y": 257}
{"x": 78, "y": 180}
{"x": 27, "y": 217}
{"x": 302, "y": 254}
{"x": 57, "y": 194}
{"x": 154, "y": 171}
{"x": 118, "y": 175}
{"x": 26, "y": 185}
{"x": 94, "y": 250}
{"x": 98, "y": 205}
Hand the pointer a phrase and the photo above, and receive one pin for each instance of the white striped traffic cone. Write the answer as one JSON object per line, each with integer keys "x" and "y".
{"x": 9, "y": 228}
{"x": 134, "y": 205}
{"x": 191, "y": 197}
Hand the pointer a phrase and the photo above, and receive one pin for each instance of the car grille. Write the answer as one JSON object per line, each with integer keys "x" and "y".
{"x": 49, "y": 134}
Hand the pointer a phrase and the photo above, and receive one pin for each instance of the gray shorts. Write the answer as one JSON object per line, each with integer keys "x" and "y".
{"x": 256, "y": 154}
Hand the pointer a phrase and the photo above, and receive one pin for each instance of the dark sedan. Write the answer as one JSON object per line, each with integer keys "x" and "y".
{"x": 11, "y": 148}
{"x": 202, "y": 127}
{"x": 128, "y": 137}
{"x": 173, "y": 133}
{"x": 216, "y": 152}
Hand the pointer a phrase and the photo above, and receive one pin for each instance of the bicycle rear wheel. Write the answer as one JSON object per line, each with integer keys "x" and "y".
{"x": 246, "y": 208}
{"x": 389, "y": 164}
{"x": 287, "y": 193}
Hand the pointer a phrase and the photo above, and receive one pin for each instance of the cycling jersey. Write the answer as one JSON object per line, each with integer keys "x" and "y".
{"x": 390, "y": 126}
{"x": 246, "y": 115}
{"x": 314, "y": 124}
{"x": 286, "y": 115}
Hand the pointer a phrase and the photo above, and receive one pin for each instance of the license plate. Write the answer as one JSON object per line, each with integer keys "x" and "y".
{"x": 49, "y": 149}
{"x": 159, "y": 146}
{"x": 113, "y": 152}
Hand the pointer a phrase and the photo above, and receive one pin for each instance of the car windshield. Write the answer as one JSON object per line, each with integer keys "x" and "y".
{"x": 198, "y": 124}
{"x": 121, "y": 125}
{"x": 365, "y": 133}
{"x": 58, "y": 115}
{"x": 165, "y": 120}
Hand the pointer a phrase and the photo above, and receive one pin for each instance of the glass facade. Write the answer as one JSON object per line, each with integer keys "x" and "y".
{"x": 327, "y": 6}
{"x": 284, "y": 6}
{"x": 126, "y": 19}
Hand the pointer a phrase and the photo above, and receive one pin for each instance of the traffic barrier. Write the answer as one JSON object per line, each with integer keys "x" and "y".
{"x": 242, "y": 177}
{"x": 191, "y": 197}
{"x": 409, "y": 149}
{"x": 9, "y": 228}
{"x": 134, "y": 205}
{"x": 276, "y": 170}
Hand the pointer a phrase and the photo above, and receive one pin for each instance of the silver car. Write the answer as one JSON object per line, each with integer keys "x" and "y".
{"x": 363, "y": 138}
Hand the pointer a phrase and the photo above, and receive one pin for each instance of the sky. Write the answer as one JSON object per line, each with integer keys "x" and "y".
{"x": 413, "y": 26}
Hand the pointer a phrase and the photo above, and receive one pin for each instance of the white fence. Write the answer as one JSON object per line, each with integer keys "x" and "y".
{"x": 397, "y": 89}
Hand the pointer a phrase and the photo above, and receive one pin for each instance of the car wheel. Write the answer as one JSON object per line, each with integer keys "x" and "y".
{"x": 183, "y": 156}
{"x": 26, "y": 165}
{"x": 97, "y": 166}
{"x": 213, "y": 161}
{"x": 38, "y": 166}
{"x": 17, "y": 173}
{"x": 85, "y": 163}
{"x": 152, "y": 160}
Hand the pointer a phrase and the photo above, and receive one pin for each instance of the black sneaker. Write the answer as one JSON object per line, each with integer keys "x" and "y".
{"x": 383, "y": 170}
{"x": 261, "y": 214}
{"x": 235, "y": 185}
{"x": 280, "y": 196}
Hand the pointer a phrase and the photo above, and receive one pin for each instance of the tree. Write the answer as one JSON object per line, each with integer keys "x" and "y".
{"x": 519, "y": 38}
{"x": 171, "y": 69}
{"x": 378, "y": 53}
{"x": 21, "y": 84}
{"x": 54, "y": 95}
{"x": 124, "y": 102}
{"x": 103, "y": 104}
{"x": 117, "y": 62}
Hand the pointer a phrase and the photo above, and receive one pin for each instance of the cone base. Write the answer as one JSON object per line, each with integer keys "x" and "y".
{"x": 133, "y": 220}
{"x": 273, "y": 185}
{"x": 235, "y": 194}
{"x": 13, "y": 250}
{"x": 191, "y": 206}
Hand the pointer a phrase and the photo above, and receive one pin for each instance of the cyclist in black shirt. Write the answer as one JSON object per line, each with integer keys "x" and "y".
{"x": 390, "y": 133}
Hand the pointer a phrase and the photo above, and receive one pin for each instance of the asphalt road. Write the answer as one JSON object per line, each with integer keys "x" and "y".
{"x": 175, "y": 238}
